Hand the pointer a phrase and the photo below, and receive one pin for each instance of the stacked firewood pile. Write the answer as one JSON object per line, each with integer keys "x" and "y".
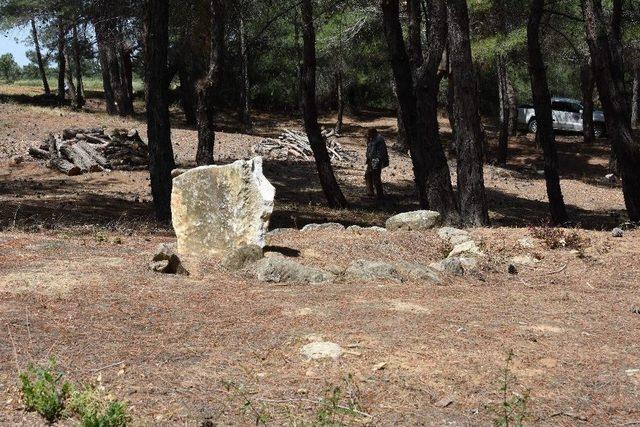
{"x": 78, "y": 151}
{"x": 295, "y": 145}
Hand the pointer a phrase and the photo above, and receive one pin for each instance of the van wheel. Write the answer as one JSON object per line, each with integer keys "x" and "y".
{"x": 598, "y": 131}
{"x": 533, "y": 126}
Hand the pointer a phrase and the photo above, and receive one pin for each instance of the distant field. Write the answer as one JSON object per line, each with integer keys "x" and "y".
{"x": 93, "y": 84}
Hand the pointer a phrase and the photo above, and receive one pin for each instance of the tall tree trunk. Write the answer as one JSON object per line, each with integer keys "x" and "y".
{"x": 43, "y": 71}
{"x": 126, "y": 74}
{"x": 469, "y": 135}
{"x": 206, "y": 90}
{"x": 635, "y": 106}
{"x": 418, "y": 104}
{"x": 505, "y": 111}
{"x": 245, "y": 87}
{"x": 79, "y": 99}
{"x": 62, "y": 62}
{"x": 328, "y": 181}
{"x": 544, "y": 116}
{"x": 609, "y": 75}
{"x": 340, "y": 96}
{"x": 587, "y": 85}
{"x": 187, "y": 94}
{"x": 103, "y": 57}
{"x": 161, "y": 161}
{"x": 513, "y": 106}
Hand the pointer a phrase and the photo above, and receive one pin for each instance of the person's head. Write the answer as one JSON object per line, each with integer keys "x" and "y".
{"x": 372, "y": 134}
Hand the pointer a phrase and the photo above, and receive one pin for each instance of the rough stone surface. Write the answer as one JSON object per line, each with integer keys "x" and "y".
{"x": 419, "y": 271}
{"x": 240, "y": 257}
{"x": 321, "y": 350}
{"x": 468, "y": 249}
{"x": 449, "y": 265}
{"x": 372, "y": 270}
{"x": 283, "y": 270}
{"x": 414, "y": 221}
{"x": 166, "y": 260}
{"x": 326, "y": 226}
{"x": 523, "y": 260}
{"x": 219, "y": 208}
{"x": 358, "y": 229}
{"x": 617, "y": 232}
{"x": 453, "y": 236}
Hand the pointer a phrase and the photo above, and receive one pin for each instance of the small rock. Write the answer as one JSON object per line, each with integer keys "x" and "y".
{"x": 444, "y": 402}
{"x": 321, "y": 350}
{"x": 611, "y": 178}
{"x": 617, "y": 232}
{"x": 372, "y": 270}
{"x": 325, "y": 226}
{"x": 453, "y": 236}
{"x": 418, "y": 271}
{"x": 167, "y": 261}
{"x": 414, "y": 221}
{"x": 449, "y": 265}
{"x": 468, "y": 248}
{"x": 512, "y": 269}
{"x": 380, "y": 366}
{"x": 527, "y": 260}
{"x": 527, "y": 243}
{"x": 16, "y": 160}
{"x": 238, "y": 258}
{"x": 283, "y": 270}
{"x": 358, "y": 229}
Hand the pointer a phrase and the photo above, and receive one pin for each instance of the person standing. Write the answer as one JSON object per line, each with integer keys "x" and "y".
{"x": 377, "y": 159}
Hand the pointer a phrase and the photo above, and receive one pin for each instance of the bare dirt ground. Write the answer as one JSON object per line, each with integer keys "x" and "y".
{"x": 221, "y": 348}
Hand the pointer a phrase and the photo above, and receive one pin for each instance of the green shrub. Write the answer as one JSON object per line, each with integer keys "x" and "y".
{"x": 94, "y": 409}
{"x": 44, "y": 392}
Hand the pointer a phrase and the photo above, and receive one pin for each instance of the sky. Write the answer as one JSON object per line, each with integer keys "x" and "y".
{"x": 8, "y": 44}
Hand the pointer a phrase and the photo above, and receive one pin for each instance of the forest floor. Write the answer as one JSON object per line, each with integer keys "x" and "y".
{"x": 223, "y": 348}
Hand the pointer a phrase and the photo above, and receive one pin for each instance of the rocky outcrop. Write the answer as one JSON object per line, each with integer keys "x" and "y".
{"x": 278, "y": 269}
{"x": 219, "y": 208}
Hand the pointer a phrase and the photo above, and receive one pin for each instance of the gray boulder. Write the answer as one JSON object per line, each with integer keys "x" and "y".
{"x": 449, "y": 265}
{"x": 166, "y": 260}
{"x": 414, "y": 221}
{"x": 282, "y": 270}
{"x": 372, "y": 270}
{"x": 239, "y": 258}
{"x": 617, "y": 232}
{"x": 325, "y": 226}
{"x": 453, "y": 236}
{"x": 419, "y": 272}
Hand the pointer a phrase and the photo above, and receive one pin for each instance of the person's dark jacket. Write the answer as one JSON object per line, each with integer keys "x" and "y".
{"x": 377, "y": 154}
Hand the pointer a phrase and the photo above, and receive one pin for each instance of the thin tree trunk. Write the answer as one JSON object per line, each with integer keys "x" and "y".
{"x": 328, "y": 181}
{"x": 542, "y": 105}
{"x": 161, "y": 161}
{"x": 245, "y": 87}
{"x": 126, "y": 72}
{"x": 340, "y": 96}
{"x": 62, "y": 62}
{"x": 43, "y": 72}
{"x": 505, "y": 111}
{"x": 587, "y": 84}
{"x": 206, "y": 90}
{"x": 635, "y": 106}
{"x": 79, "y": 99}
{"x": 471, "y": 192}
{"x": 70, "y": 84}
{"x": 513, "y": 106}
{"x": 103, "y": 57}
{"x": 402, "y": 144}
{"x": 609, "y": 74}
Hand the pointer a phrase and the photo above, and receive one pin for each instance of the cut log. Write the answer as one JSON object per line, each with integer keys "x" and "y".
{"x": 72, "y": 132}
{"x": 65, "y": 166}
{"x": 52, "y": 143}
{"x": 93, "y": 152}
{"x": 38, "y": 153}
{"x": 80, "y": 158}
{"x": 102, "y": 140}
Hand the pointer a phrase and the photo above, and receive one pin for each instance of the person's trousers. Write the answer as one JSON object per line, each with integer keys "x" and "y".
{"x": 373, "y": 178}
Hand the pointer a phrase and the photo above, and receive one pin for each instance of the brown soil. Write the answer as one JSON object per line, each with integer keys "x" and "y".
{"x": 221, "y": 347}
